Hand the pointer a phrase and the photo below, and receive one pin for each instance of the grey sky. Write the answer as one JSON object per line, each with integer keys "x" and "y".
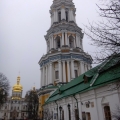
{"x": 23, "y": 24}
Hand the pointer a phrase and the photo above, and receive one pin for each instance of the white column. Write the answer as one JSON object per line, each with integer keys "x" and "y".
{"x": 50, "y": 70}
{"x": 81, "y": 67}
{"x": 74, "y": 43}
{"x": 77, "y": 44}
{"x": 69, "y": 15}
{"x": 60, "y": 75}
{"x": 72, "y": 69}
{"x": 66, "y": 39}
{"x": 52, "y": 42}
{"x": 54, "y": 17}
{"x": 64, "y": 72}
{"x": 47, "y": 46}
{"x": 49, "y": 43}
{"x": 63, "y": 13}
{"x": 46, "y": 75}
{"x": 62, "y": 38}
{"x": 43, "y": 76}
{"x": 68, "y": 70}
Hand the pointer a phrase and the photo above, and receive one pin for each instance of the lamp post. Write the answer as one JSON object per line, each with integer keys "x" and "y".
{"x": 60, "y": 108}
{"x": 69, "y": 111}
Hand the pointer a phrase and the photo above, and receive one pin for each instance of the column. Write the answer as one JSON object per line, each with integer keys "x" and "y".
{"x": 63, "y": 13}
{"x": 43, "y": 76}
{"x": 62, "y": 38}
{"x": 66, "y": 39}
{"x": 77, "y": 41}
{"x": 72, "y": 69}
{"x": 52, "y": 42}
{"x": 47, "y": 45}
{"x": 49, "y": 40}
{"x": 81, "y": 67}
{"x": 68, "y": 70}
{"x": 60, "y": 75}
{"x": 64, "y": 73}
{"x": 46, "y": 76}
{"x": 50, "y": 70}
{"x": 54, "y": 16}
{"x": 74, "y": 43}
{"x": 70, "y": 15}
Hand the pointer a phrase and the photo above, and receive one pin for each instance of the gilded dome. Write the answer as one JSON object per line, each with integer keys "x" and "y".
{"x": 18, "y": 87}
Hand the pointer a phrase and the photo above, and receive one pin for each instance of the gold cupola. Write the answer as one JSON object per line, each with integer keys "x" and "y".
{"x": 18, "y": 87}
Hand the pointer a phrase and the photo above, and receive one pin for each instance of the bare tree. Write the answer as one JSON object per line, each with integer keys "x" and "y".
{"x": 4, "y": 89}
{"x": 116, "y": 114}
{"x": 106, "y": 34}
{"x": 47, "y": 115}
{"x": 32, "y": 100}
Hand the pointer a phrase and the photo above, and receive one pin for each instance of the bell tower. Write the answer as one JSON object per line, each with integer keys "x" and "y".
{"x": 65, "y": 58}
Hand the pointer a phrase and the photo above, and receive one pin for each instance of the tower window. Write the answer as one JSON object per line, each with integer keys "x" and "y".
{"x": 66, "y": 15}
{"x": 59, "y": 16}
{"x": 71, "y": 41}
{"x": 76, "y": 73}
{"x": 58, "y": 42}
{"x": 56, "y": 74}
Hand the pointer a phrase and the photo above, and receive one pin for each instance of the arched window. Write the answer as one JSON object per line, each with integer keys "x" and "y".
{"x": 58, "y": 42}
{"x": 107, "y": 113}
{"x": 66, "y": 15}
{"x": 71, "y": 41}
{"x": 59, "y": 16}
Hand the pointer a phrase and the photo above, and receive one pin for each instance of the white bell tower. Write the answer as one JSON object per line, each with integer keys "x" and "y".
{"x": 65, "y": 58}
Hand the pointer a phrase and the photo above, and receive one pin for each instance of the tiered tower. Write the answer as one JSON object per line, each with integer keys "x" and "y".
{"x": 65, "y": 58}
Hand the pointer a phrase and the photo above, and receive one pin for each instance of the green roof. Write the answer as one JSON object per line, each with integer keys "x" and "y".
{"x": 105, "y": 73}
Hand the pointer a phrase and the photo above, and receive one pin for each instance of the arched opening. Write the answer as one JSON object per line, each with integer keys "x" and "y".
{"x": 71, "y": 41}
{"x": 58, "y": 42}
{"x": 66, "y": 15}
{"x": 59, "y": 16}
{"x": 107, "y": 113}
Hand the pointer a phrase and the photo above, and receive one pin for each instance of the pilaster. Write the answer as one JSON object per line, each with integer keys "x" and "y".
{"x": 68, "y": 69}
{"x": 64, "y": 72}
{"x": 60, "y": 75}
{"x": 72, "y": 69}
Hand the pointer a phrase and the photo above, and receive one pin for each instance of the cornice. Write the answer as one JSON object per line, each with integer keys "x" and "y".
{"x": 81, "y": 56}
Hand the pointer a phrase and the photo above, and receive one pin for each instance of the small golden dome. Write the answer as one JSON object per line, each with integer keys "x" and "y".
{"x": 18, "y": 87}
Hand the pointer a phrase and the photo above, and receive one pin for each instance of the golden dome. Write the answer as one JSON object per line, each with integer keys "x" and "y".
{"x": 18, "y": 87}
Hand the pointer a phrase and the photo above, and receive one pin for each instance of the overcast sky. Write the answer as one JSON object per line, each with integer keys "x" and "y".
{"x": 23, "y": 24}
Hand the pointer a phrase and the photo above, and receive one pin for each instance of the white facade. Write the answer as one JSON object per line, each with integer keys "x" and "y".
{"x": 91, "y": 104}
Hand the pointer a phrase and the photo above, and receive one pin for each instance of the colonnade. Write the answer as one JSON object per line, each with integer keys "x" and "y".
{"x": 51, "y": 43}
{"x": 66, "y": 71}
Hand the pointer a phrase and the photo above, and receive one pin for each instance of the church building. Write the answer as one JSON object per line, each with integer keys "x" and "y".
{"x": 70, "y": 88}
{"x": 15, "y": 106}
